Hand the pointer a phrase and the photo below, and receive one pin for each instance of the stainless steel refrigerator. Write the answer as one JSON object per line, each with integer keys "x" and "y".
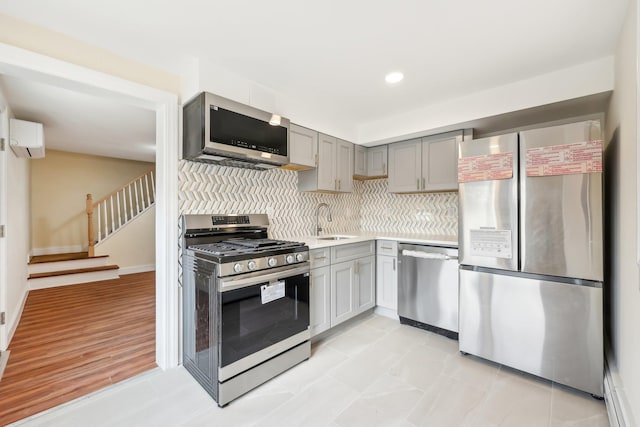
{"x": 531, "y": 258}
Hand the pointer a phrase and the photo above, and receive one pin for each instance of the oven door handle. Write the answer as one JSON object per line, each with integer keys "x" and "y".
{"x": 231, "y": 283}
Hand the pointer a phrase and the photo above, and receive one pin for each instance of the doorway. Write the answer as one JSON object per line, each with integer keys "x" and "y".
{"x": 26, "y": 64}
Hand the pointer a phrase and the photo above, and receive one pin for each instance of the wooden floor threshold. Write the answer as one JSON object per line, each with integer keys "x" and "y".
{"x": 70, "y": 256}
{"x": 74, "y": 271}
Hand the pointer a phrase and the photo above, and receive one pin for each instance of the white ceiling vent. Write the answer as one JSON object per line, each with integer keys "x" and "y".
{"x": 26, "y": 139}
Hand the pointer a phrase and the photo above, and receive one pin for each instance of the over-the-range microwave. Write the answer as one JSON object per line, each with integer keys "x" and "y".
{"x": 221, "y": 131}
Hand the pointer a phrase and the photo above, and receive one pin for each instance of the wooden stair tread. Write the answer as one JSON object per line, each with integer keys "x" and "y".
{"x": 71, "y": 256}
{"x": 74, "y": 271}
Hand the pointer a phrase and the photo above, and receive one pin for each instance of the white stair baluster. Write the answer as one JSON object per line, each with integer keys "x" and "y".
{"x": 130, "y": 203}
{"x": 135, "y": 186}
{"x": 119, "y": 214}
{"x": 113, "y": 217}
{"x": 106, "y": 219}
{"x": 99, "y": 225}
{"x": 153, "y": 186}
{"x": 146, "y": 188}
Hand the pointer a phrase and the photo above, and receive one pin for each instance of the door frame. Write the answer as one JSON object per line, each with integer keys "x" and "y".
{"x": 33, "y": 66}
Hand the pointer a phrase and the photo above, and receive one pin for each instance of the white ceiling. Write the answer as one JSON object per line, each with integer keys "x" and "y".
{"x": 82, "y": 123}
{"x": 334, "y": 54}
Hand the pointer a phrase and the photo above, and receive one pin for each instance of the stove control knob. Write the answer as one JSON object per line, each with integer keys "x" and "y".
{"x": 299, "y": 257}
{"x": 272, "y": 262}
{"x": 252, "y": 265}
{"x": 238, "y": 268}
{"x": 290, "y": 259}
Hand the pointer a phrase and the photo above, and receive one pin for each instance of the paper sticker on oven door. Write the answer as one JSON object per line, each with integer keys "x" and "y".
{"x": 272, "y": 292}
{"x": 491, "y": 243}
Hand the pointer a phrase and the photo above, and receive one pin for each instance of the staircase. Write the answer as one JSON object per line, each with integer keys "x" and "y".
{"x": 46, "y": 271}
{"x": 106, "y": 216}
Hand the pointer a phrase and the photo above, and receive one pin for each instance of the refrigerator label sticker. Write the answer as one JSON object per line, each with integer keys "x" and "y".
{"x": 491, "y": 243}
{"x": 566, "y": 159}
{"x": 487, "y": 167}
{"x": 272, "y": 292}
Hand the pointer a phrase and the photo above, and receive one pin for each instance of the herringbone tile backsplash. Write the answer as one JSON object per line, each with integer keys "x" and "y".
{"x": 209, "y": 189}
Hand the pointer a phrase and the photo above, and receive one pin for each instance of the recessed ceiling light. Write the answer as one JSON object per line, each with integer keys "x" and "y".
{"x": 394, "y": 77}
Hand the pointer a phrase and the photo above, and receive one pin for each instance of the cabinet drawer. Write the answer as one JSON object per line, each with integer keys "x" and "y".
{"x": 387, "y": 247}
{"x": 352, "y": 251}
{"x": 319, "y": 257}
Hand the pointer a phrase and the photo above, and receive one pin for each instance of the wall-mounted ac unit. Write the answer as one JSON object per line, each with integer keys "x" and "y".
{"x": 26, "y": 139}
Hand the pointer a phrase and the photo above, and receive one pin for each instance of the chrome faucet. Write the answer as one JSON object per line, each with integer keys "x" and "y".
{"x": 318, "y": 228}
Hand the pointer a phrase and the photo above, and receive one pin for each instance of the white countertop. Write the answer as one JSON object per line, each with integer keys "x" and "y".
{"x": 314, "y": 242}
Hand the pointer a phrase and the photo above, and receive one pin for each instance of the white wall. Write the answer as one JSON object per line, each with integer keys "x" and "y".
{"x": 16, "y": 214}
{"x": 622, "y": 293}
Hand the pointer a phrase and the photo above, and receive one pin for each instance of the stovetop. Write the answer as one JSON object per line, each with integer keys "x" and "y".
{"x": 249, "y": 247}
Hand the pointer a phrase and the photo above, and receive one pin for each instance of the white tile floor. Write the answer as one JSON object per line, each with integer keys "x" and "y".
{"x": 373, "y": 372}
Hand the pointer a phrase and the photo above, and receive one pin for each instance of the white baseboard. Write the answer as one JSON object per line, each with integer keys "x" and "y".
{"x": 137, "y": 269}
{"x": 15, "y": 319}
{"x": 58, "y": 250}
{"x": 618, "y": 407}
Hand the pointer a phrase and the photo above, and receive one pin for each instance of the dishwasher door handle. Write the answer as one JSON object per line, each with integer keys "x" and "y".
{"x": 428, "y": 255}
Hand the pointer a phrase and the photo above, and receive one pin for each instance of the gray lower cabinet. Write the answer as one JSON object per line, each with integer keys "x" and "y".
{"x": 387, "y": 277}
{"x": 353, "y": 269}
{"x": 320, "y": 299}
{"x": 342, "y": 283}
{"x": 343, "y": 291}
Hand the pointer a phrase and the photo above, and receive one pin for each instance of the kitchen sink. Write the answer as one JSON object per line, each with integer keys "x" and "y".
{"x": 335, "y": 237}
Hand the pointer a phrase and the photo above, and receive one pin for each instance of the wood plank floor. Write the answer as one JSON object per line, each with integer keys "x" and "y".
{"x": 73, "y": 340}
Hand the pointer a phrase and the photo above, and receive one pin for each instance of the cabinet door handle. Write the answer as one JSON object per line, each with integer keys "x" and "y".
{"x": 385, "y": 247}
{"x": 384, "y": 168}
{"x": 320, "y": 257}
{"x": 418, "y": 183}
{"x": 316, "y": 159}
{"x": 424, "y": 180}
{"x": 338, "y": 184}
{"x": 357, "y": 267}
{"x": 394, "y": 264}
{"x": 335, "y": 184}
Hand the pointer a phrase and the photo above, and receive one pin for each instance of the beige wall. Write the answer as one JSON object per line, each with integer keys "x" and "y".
{"x": 622, "y": 293}
{"x": 133, "y": 248}
{"x": 37, "y": 39}
{"x": 59, "y": 185}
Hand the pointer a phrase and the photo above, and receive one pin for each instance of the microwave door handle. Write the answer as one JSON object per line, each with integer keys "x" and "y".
{"x": 232, "y": 283}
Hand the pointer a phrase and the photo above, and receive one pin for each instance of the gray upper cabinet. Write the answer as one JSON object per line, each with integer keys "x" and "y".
{"x": 303, "y": 148}
{"x": 334, "y": 171}
{"x": 377, "y": 161}
{"x": 344, "y": 166}
{"x": 359, "y": 160}
{"x": 440, "y": 162}
{"x": 405, "y": 166}
{"x": 426, "y": 164}
{"x": 370, "y": 162}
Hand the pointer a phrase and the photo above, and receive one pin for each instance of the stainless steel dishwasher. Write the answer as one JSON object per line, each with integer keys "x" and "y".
{"x": 428, "y": 288}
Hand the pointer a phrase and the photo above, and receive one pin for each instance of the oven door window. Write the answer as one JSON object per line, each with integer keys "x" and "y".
{"x": 250, "y": 323}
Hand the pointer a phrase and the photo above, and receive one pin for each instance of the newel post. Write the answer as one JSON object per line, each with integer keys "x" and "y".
{"x": 92, "y": 240}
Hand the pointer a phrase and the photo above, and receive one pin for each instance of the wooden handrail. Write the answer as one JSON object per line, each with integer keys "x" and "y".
{"x": 92, "y": 240}
{"x": 124, "y": 185}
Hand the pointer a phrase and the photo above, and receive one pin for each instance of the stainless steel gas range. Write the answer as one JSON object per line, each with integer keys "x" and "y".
{"x": 245, "y": 303}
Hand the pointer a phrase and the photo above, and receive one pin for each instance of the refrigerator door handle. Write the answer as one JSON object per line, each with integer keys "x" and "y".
{"x": 427, "y": 255}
